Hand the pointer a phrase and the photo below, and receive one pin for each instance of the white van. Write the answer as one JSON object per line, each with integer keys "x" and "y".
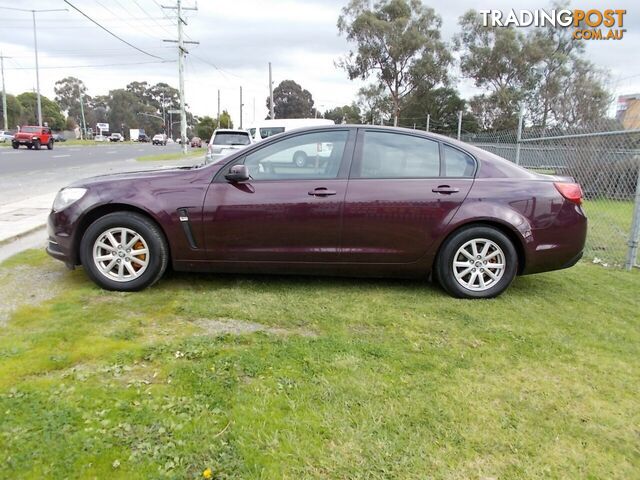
{"x": 266, "y": 128}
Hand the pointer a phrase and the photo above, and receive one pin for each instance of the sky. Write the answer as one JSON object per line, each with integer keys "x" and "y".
{"x": 236, "y": 41}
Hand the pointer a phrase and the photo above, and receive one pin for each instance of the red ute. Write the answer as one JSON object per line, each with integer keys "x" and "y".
{"x": 368, "y": 201}
{"x": 33, "y": 137}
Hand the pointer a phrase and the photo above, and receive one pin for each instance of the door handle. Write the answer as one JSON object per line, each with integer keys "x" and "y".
{"x": 322, "y": 192}
{"x": 445, "y": 189}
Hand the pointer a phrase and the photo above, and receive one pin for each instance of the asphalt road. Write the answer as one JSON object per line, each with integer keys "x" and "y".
{"x": 28, "y": 173}
{"x": 23, "y": 160}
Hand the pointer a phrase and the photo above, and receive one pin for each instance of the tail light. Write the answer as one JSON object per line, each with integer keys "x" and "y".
{"x": 570, "y": 191}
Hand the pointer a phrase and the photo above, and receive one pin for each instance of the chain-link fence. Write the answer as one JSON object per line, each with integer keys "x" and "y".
{"x": 606, "y": 163}
{"x": 604, "y": 158}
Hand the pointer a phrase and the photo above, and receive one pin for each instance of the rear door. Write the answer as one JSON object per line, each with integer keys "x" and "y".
{"x": 403, "y": 191}
{"x": 284, "y": 213}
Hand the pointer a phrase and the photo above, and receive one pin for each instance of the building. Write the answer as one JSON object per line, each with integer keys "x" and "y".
{"x": 628, "y": 111}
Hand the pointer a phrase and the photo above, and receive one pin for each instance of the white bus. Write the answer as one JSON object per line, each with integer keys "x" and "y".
{"x": 266, "y": 128}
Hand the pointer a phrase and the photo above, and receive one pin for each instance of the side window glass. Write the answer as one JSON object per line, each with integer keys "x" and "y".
{"x": 457, "y": 163}
{"x": 303, "y": 157}
{"x": 395, "y": 155}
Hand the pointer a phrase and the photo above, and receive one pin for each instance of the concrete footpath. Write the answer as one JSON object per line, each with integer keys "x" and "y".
{"x": 24, "y": 216}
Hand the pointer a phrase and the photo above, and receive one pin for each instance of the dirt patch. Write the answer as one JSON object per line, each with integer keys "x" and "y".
{"x": 222, "y": 326}
{"x": 26, "y": 285}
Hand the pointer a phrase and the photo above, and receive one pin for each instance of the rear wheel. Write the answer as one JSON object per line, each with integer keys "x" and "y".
{"x": 50, "y": 145}
{"x": 124, "y": 251}
{"x": 477, "y": 262}
{"x": 15, "y": 145}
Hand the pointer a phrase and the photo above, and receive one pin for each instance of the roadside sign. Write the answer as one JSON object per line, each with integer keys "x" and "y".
{"x": 102, "y": 126}
{"x": 174, "y": 112}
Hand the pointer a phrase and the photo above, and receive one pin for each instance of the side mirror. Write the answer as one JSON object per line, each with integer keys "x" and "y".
{"x": 238, "y": 173}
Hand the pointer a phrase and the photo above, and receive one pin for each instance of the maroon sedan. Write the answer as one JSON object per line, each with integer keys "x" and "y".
{"x": 370, "y": 201}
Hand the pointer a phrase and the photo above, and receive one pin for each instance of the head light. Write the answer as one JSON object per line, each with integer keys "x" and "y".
{"x": 67, "y": 196}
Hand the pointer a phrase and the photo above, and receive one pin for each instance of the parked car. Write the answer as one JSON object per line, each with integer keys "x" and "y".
{"x": 6, "y": 136}
{"x": 143, "y": 137}
{"x": 387, "y": 202}
{"x": 225, "y": 141}
{"x": 58, "y": 137}
{"x": 100, "y": 138}
{"x": 33, "y": 137}
{"x": 196, "y": 142}
{"x": 116, "y": 137}
{"x": 159, "y": 139}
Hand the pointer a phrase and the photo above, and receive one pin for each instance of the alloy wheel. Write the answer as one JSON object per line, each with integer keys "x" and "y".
{"x": 121, "y": 254}
{"x": 479, "y": 264}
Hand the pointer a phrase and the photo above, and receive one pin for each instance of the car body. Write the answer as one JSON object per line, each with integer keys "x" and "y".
{"x": 267, "y": 128}
{"x": 58, "y": 137}
{"x": 116, "y": 137}
{"x": 6, "y": 136}
{"x": 33, "y": 137}
{"x": 143, "y": 137}
{"x": 100, "y": 138}
{"x": 196, "y": 142}
{"x": 388, "y": 202}
{"x": 225, "y": 141}
{"x": 159, "y": 139}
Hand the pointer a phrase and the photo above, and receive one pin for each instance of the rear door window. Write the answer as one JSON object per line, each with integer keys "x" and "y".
{"x": 396, "y": 155}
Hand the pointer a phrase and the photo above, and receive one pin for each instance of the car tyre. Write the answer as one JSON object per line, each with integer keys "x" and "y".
{"x": 151, "y": 238}
{"x": 50, "y": 145}
{"x": 476, "y": 262}
{"x": 29, "y": 146}
{"x": 15, "y": 145}
{"x": 36, "y": 144}
{"x": 300, "y": 159}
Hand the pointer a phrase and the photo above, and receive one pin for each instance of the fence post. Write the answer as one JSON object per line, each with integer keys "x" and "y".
{"x": 459, "y": 123}
{"x": 519, "y": 135}
{"x": 634, "y": 237}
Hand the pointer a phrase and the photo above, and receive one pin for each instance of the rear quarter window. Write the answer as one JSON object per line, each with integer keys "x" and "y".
{"x": 457, "y": 163}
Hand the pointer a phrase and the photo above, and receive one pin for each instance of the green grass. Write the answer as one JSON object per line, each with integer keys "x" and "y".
{"x": 196, "y": 152}
{"x": 363, "y": 379}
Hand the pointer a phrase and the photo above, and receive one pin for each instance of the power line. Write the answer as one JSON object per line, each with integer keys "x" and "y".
{"x": 110, "y": 32}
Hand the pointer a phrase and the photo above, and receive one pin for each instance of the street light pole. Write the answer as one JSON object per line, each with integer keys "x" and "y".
{"x": 5, "y": 113}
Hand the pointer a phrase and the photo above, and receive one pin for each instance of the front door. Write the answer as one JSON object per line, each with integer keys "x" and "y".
{"x": 291, "y": 208}
{"x": 401, "y": 195}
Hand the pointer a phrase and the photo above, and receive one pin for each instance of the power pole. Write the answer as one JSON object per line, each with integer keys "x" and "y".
{"x": 84, "y": 123}
{"x": 218, "y": 108}
{"x": 428, "y": 121}
{"x": 181, "y": 53}
{"x": 5, "y": 112}
{"x": 271, "y": 114}
{"x": 241, "y": 105}
{"x": 35, "y": 44}
{"x": 459, "y": 123}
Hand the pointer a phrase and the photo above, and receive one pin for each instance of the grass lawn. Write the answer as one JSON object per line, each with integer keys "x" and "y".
{"x": 196, "y": 152}
{"x": 272, "y": 377}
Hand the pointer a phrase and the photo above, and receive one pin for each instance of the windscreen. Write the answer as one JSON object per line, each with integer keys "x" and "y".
{"x": 30, "y": 129}
{"x": 268, "y": 131}
{"x": 231, "y": 138}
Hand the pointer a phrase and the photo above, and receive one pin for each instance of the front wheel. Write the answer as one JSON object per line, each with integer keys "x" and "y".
{"x": 124, "y": 251}
{"x": 477, "y": 262}
{"x": 36, "y": 144}
{"x": 15, "y": 145}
